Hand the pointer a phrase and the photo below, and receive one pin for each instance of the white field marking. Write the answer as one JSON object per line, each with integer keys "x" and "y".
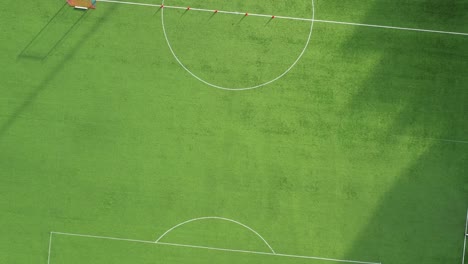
{"x": 216, "y": 218}
{"x": 50, "y": 246}
{"x": 129, "y": 3}
{"x": 451, "y": 140}
{"x": 392, "y": 27}
{"x": 311, "y": 20}
{"x": 296, "y": 18}
{"x": 237, "y": 13}
{"x": 303, "y": 19}
{"x": 267, "y": 253}
{"x": 213, "y": 248}
{"x": 440, "y": 139}
{"x": 464, "y": 243}
{"x": 104, "y": 237}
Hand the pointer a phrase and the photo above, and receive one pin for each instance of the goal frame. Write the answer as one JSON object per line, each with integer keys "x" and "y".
{"x": 82, "y": 4}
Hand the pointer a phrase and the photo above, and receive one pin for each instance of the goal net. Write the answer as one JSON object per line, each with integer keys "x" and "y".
{"x": 82, "y": 3}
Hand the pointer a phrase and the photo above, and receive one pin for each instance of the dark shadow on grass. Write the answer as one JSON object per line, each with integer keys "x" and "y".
{"x": 418, "y": 91}
{"x": 185, "y": 12}
{"x": 22, "y": 53}
{"x": 43, "y": 56}
{"x": 83, "y": 14}
{"x": 242, "y": 19}
{"x": 211, "y": 16}
{"x": 52, "y": 74}
{"x": 157, "y": 11}
{"x": 421, "y": 218}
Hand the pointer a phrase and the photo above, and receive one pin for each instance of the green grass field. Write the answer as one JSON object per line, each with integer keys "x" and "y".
{"x": 359, "y": 152}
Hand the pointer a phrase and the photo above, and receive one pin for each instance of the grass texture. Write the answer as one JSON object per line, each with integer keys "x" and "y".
{"x": 359, "y": 152}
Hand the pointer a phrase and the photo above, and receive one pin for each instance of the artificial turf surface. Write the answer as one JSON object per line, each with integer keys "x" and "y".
{"x": 360, "y": 152}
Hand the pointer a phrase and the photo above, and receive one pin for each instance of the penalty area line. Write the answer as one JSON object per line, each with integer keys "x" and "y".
{"x": 290, "y": 18}
{"x": 211, "y": 248}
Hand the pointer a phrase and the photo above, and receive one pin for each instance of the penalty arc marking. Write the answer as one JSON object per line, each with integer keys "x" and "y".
{"x": 245, "y": 14}
{"x": 158, "y": 242}
{"x": 216, "y": 218}
{"x": 311, "y": 20}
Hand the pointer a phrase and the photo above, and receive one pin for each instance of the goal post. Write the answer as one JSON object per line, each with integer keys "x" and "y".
{"x": 82, "y": 3}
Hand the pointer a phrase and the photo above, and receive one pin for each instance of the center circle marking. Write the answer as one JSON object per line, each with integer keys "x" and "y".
{"x": 244, "y": 88}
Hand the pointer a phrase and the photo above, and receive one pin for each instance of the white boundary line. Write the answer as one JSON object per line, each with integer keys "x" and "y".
{"x": 451, "y": 140}
{"x": 290, "y": 18}
{"x": 465, "y": 235}
{"x": 392, "y": 27}
{"x": 216, "y": 218}
{"x": 294, "y": 18}
{"x": 213, "y": 248}
{"x": 238, "y": 13}
{"x": 50, "y": 247}
{"x": 311, "y": 20}
{"x": 436, "y": 139}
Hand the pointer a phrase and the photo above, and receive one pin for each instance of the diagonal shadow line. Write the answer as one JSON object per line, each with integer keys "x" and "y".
{"x": 211, "y": 16}
{"x": 157, "y": 11}
{"x": 185, "y": 12}
{"x": 242, "y": 19}
{"x": 53, "y": 73}
{"x": 65, "y": 35}
{"x": 42, "y": 30}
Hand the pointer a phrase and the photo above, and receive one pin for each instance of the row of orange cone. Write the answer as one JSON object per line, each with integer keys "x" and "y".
{"x": 215, "y": 11}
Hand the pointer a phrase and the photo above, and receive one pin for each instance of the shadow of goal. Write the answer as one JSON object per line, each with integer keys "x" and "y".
{"x": 52, "y": 34}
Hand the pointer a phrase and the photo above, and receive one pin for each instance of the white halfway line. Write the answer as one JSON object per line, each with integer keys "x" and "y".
{"x": 207, "y": 248}
{"x": 289, "y": 18}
